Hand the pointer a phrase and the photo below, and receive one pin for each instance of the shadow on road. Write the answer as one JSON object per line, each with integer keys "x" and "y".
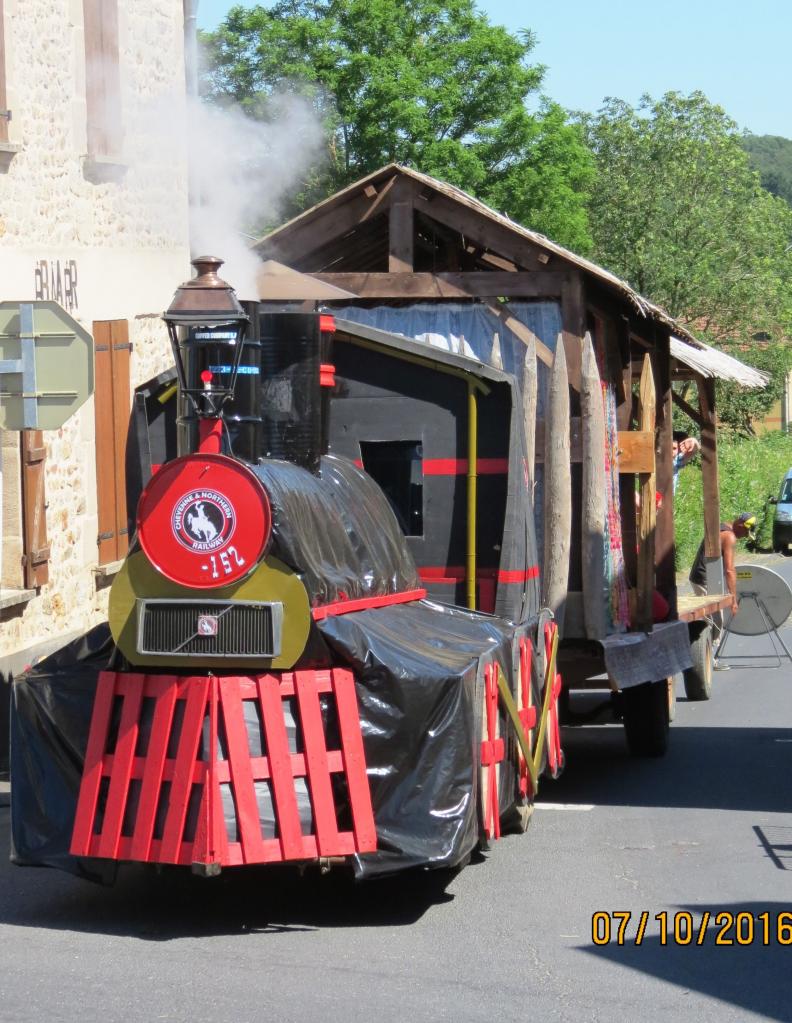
{"x": 708, "y": 768}
{"x": 776, "y": 840}
{"x": 176, "y": 904}
{"x": 753, "y": 976}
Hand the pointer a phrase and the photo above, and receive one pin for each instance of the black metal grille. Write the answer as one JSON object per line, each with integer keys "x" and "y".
{"x": 243, "y": 630}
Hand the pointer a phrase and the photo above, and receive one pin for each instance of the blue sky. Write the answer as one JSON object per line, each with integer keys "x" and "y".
{"x": 738, "y": 54}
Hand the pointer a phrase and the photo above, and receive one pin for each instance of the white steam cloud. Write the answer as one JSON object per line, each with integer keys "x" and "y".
{"x": 242, "y": 170}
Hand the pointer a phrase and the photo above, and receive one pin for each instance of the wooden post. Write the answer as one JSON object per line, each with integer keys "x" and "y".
{"x": 665, "y": 570}
{"x": 496, "y": 359}
{"x": 647, "y": 519}
{"x": 709, "y": 482}
{"x": 592, "y": 416}
{"x": 501, "y": 311}
{"x": 624, "y": 418}
{"x": 557, "y": 490}
{"x": 573, "y": 316}
{"x": 529, "y": 407}
{"x": 400, "y": 228}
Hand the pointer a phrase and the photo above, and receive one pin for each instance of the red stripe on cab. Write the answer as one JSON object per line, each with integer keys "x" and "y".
{"x": 459, "y": 466}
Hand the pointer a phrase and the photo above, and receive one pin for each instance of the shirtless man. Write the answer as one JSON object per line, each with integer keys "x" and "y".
{"x": 730, "y": 533}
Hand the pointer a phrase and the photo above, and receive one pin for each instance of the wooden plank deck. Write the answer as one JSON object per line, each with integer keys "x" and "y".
{"x": 692, "y": 608}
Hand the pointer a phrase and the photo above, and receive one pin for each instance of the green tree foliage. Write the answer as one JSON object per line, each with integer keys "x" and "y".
{"x": 678, "y": 212}
{"x": 429, "y": 84}
{"x": 771, "y": 156}
{"x": 739, "y": 409}
{"x": 750, "y": 471}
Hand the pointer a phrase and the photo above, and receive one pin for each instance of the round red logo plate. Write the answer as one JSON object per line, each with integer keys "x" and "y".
{"x": 204, "y": 520}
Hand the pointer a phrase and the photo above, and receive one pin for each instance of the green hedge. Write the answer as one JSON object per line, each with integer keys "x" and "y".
{"x": 749, "y": 471}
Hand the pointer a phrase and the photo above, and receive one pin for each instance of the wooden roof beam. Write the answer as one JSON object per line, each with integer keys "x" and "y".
{"x": 302, "y": 237}
{"x": 475, "y": 284}
{"x": 497, "y": 261}
{"x": 401, "y": 229}
{"x": 477, "y": 227}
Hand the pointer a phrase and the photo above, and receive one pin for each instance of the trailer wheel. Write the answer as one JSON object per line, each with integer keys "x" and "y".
{"x": 698, "y": 678}
{"x": 645, "y": 714}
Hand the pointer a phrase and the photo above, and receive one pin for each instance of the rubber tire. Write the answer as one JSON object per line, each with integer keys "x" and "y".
{"x": 645, "y": 715}
{"x": 698, "y": 679}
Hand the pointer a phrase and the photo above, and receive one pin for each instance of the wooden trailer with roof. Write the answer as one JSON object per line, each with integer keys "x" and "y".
{"x": 440, "y": 279}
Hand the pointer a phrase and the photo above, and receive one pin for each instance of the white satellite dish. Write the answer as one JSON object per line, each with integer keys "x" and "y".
{"x": 764, "y": 605}
{"x": 760, "y": 589}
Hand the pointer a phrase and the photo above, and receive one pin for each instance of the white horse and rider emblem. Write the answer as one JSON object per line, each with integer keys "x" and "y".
{"x": 203, "y": 521}
{"x": 200, "y": 525}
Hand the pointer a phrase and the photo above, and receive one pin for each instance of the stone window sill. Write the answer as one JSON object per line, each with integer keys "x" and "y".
{"x": 11, "y": 598}
{"x": 103, "y": 169}
{"x": 8, "y": 151}
{"x": 109, "y": 570}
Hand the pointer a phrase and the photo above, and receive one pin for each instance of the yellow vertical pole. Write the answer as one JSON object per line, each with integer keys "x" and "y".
{"x": 472, "y": 475}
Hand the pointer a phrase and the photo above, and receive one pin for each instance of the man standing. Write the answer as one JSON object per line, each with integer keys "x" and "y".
{"x": 730, "y": 533}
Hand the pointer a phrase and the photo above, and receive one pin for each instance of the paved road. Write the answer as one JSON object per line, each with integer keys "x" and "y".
{"x": 509, "y": 938}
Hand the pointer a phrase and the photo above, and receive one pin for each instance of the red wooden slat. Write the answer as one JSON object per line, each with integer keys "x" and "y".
{"x": 122, "y": 770}
{"x": 526, "y": 654}
{"x": 498, "y": 747}
{"x": 92, "y": 772}
{"x": 241, "y": 773}
{"x": 211, "y": 842}
{"x": 320, "y": 786}
{"x": 354, "y": 761}
{"x": 184, "y": 771}
{"x": 153, "y": 772}
{"x": 218, "y": 837}
{"x": 281, "y": 768}
{"x": 288, "y": 816}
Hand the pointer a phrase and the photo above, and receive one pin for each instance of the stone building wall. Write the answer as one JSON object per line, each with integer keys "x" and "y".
{"x": 108, "y": 239}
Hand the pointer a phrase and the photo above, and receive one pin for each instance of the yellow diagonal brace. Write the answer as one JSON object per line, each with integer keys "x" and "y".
{"x": 550, "y": 674}
{"x": 534, "y": 760}
{"x": 522, "y": 738}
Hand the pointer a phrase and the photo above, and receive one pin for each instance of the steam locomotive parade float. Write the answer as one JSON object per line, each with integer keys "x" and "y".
{"x": 277, "y": 686}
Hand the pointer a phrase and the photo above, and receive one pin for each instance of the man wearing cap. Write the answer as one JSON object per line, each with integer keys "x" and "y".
{"x": 730, "y": 533}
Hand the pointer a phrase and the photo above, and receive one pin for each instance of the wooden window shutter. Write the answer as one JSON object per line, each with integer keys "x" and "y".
{"x": 102, "y": 77}
{"x": 112, "y": 405}
{"x": 5, "y": 113}
{"x": 35, "y": 560}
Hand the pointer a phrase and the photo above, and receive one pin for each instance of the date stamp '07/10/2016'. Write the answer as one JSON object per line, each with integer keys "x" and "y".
{"x": 623, "y": 927}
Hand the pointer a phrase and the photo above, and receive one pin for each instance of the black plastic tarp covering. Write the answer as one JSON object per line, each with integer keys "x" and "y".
{"x": 51, "y": 707}
{"x": 419, "y": 671}
{"x": 337, "y": 531}
{"x": 419, "y": 681}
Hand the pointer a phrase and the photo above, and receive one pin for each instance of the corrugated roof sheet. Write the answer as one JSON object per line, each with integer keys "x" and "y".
{"x": 709, "y": 362}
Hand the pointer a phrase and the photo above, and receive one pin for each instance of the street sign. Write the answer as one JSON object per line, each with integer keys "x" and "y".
{"x": 46, "y": 366}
